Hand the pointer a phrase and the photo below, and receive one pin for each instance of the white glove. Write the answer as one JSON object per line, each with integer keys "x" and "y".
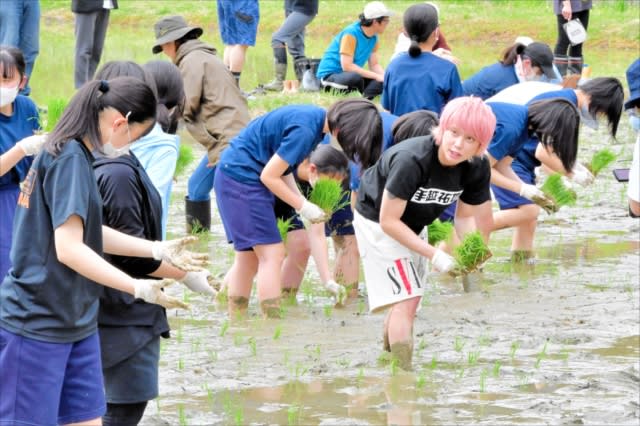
{"x": 151, "y": 291}
{"x": 530, "y": 192}
{"x": 32, "y": 145}
{"x": 338, "y": 290}
{"x": 174, "y": 252}
{"x": 442, "y": 261}
{"x": 198, "y": 281}
{"x": 311, "y": 212}
{"x": 581, "y": 175}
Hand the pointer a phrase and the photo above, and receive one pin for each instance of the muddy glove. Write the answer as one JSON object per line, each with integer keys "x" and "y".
{"x": 530, "y": 192}
{"x": 311, "y": 212}
{"x": 174, "y": 252}
{"x": 32, "y": 145}
{"x": 442, "y": 261}
{"x": 581, "y": 175}
{"x": 338, "y": 290}
{"x": 198, "y": 281}
{"x": 151, "y": 292}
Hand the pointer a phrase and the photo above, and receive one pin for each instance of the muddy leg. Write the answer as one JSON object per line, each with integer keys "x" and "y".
{"x": 385, "y": 333}
{"x": 402, "y": 353}
{"x": 238, "y": 306}
{"x": 347, "y": 266}
{"x": 295, "y": 263}
{"x": 289, "y": 295}
{"x": 240, "y": 280}
{"x": 522, "y": 256}
{"x": 271, "y": 308}
{"x": 400, "y": 327}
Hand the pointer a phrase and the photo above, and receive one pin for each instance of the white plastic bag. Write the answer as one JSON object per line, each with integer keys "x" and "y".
{"x": 575, "y": 32}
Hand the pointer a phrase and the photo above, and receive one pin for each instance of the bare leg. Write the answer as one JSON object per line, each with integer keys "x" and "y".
{"x": 514, "y": 217}
{"x": 270, "y": 258}
{"x": 347, "y": 267}
{"x": 237, "y": 54}
{"x": 295, "y": 264}
{"x": 240, "y": 279}
{"x": 400, "y": 331}
{"x": 523, "y": 236}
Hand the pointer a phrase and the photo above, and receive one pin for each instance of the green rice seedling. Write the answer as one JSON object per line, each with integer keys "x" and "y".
{"x": 181, "y": 415}
{"x": 328, "y": 194}
{"x": 328, "y": 310}
{"x": 555, "y": 189}
{"x": 252, "y": 346}
{"x": 541, "y": 355}
{"x": 434, "y": 363}
{"x": 293, "y": 415}
{"x": 514, "y": 347}
{"x": 185, "y": 157}
{"x": 224, "y": 328}
{"x": 393, "y": 365}
{"x": 439, "y": 231}
{"x": 421, "y": 381}
{"x": 277, "y": 332}
{"x": 600, "y": 160}
{"x": 496, "y": 369}
{"x": 458, "y": 344}
{"x": 284, "y": 226}
{"x": 470, "y": 254}
{"x": 483, "y": 379}
{"x": 180, "y": 364}
{"x": 55, "y": 108}
{"x": 472, "y": 357}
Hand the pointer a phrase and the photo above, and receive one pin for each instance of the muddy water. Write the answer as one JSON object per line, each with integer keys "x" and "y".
{"x": 555, "y": 342}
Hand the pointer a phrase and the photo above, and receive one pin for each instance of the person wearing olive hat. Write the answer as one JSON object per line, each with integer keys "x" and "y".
{"x": 214, "y": 111}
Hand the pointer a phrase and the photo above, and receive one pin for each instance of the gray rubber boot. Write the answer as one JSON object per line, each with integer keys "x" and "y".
{"x": 278, "y": 83}
{"x": 198, "y": 215}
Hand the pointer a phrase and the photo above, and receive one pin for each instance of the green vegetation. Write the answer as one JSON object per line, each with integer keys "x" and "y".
{"x": 185, "y": 157}
{"x": 284, "y": 226}
{"x": 327, "y": 194}
{"x": 439, "y": 231}
{"x": 471, "y": 253}
{"x": 55, "y": 108}
{"x": 555, "y": 189}
{"x": 600, "y": 160}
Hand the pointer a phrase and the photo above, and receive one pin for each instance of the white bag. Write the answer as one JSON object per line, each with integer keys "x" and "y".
{"x": 575, "y": 32}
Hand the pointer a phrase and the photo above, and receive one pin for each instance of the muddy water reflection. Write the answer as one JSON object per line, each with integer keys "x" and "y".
{"x": 555, "y": 342}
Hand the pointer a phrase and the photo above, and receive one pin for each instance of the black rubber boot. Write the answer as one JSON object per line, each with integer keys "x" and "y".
{"x": 575, "y": 65}
{"x": 562, "y": 63}
{"x": 198, "y": 215}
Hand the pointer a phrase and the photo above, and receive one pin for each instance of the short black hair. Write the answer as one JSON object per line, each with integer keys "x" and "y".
{"x": 11, "y": 60}
{"x": 607, "y": 97}
{"x": 412, "y": 124}
{"x": 556, "y": 122}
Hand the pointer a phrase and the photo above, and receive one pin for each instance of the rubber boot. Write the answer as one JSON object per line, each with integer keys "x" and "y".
{"x": 198, "y": 215}
{"x": 277, "y": 84}
{"x": 575, "y": 65}
{"x": 561, "y": 62}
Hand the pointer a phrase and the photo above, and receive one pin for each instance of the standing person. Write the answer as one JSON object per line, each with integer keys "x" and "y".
{"x": 238, "y": 22}
{"x": 406, "y": 190}
{"x": 419, "y": 79}
{"x": 20, "y": 27}
{"x": 49, "y": 299}
{"x": 214, "y": 111}
{"x": 519, "y": 63}
{"x": 92, "y": 20}
{"x": 341, "y": 67}
{"x": 568, "y": 57}
{"x": 18, "y": 122}
{"x": 258, "y": 164}
{"x": 633, "y": 106}
{"x": 298, "y": 14}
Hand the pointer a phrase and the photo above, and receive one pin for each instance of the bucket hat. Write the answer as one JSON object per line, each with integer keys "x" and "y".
{"x": 170, "y": 29}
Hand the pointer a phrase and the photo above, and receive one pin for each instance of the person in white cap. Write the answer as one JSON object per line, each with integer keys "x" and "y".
{"x": 342, "y": 65}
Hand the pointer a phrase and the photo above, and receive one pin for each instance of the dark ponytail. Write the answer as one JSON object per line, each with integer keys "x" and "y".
{"x": 329, "y": 160}
{"x": 170, "y": 87}
{"x": 420, "y": 21}
{"x": 81, "y": 119}
{"x": 511, "y": 53}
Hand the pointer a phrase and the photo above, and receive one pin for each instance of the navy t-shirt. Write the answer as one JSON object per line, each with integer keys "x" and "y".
{"x": 291, "y": 131}
{"x": 411, "y": 171}
{"x": 22, "y": 123}
{"x": 511, "y": 129}
{"x": 40, "y": 298}
{"x": 490, "y": 80}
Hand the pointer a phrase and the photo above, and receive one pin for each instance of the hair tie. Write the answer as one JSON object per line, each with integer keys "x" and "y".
{"x": 104, "y": 86}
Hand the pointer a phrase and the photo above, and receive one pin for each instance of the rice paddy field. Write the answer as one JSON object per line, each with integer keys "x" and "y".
{"x": 556, "y": 341}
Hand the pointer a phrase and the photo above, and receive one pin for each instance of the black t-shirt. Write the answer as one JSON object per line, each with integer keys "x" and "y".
{"x": 411, "y": 171}
{"x": 41, "y": 298}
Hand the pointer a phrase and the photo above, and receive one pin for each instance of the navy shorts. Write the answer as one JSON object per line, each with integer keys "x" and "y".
{"x": 238, "y": 21}
{"x": 246, "y": 211}
{"x": 50, "y": 383}
{"x": 510, "y": 200}
{"x": 341, "y": 222}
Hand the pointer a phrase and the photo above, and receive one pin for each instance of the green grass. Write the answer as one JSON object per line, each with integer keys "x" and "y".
{"x": 55, "y": 108}
{"x": 477, "y": 31}
{"x": 554, "y": 188}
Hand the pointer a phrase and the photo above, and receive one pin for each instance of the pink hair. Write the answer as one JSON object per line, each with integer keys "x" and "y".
{"x": 470, "y": 114}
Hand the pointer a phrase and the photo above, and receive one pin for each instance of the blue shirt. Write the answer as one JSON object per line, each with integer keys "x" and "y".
{"x": 158, "y": 153}
{"x": 41, "y": 298}
{"x": 424, "y": 82}
{"x": 330, "y": 62}
{"x": 490, "y": 80}
{"x": 291, "y": 131}
{"x": 511, "y": 129}
{"x": 22, "y": 123}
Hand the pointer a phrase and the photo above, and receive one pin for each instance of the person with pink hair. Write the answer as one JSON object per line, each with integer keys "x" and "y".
{"x": 407, "y": 189}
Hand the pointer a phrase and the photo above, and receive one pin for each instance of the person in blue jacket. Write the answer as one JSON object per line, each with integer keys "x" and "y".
{"x": 419, "y": 79}
{"x": 259, "y": 164}
{"x": 519, "y": 63}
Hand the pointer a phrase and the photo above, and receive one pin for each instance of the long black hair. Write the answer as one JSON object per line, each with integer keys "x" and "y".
{"x": 81, "y": 119}
{"x": 170, "y": 93}
{"x": 113, "y": 69}
{"x": 556, "y": 122}
{"x": 607, "y": 97}
{"x": 359, "y": 128}
{"x": 420, "y": 21}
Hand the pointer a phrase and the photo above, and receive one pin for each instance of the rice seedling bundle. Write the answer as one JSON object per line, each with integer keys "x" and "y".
{"x": 600, "y": 160}
{"x": 328, "y": 194}
{"x": 470, "y": 254}
{"x": 439, "y": 231}
{"x": 185, "y": 157}
{"x": 555, "y": 189}
{"x": 283, "y": 227}
{"x": 55, "y": 108}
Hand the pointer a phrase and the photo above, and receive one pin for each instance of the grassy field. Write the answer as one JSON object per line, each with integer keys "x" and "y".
{"x": 477, "y": 31}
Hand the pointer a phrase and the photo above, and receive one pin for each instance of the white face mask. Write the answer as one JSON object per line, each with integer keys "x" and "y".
{"x": 111, "y": 151}
{"x": 8, "y": 95}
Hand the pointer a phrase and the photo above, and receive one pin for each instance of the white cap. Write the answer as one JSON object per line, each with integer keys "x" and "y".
{"x": 524, "y": 40}
{"x": 376, "y": 9}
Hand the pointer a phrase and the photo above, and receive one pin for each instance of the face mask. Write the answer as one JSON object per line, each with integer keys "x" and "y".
{"x": 8, "y": 95}
{"x": 111, "y": 151}
{"x": 587, "y": 118}
{"x": 635, "y": 122}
